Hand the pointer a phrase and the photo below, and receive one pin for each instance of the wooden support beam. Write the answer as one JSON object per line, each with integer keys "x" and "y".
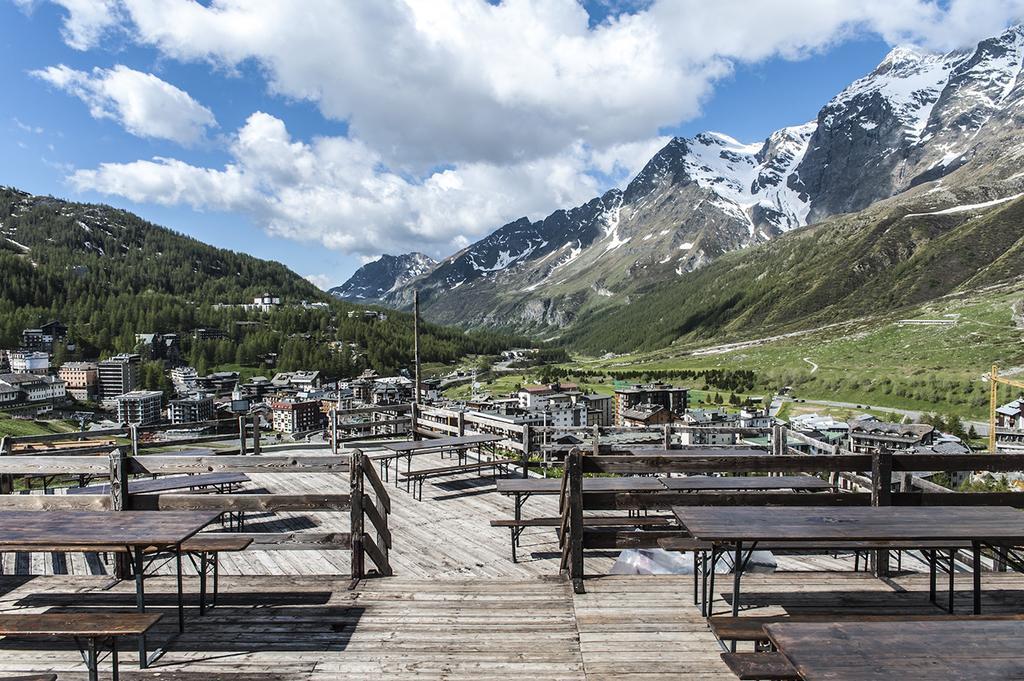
{"x": 55, "y": 465}
{"x": 55, "y": 502}
{"x": 356, "y": 515}
{"x": 269, "y": 463}
{"x": 289, "y": 541}
{"x": 231, "y": 503}
{"x": 608, "y": 501}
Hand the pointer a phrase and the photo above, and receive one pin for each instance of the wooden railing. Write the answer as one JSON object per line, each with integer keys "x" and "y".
{"x": 368, "y": 500}
{"x": 875, "y": 471}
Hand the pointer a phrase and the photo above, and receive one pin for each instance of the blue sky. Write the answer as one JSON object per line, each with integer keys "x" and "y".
{"x": 49, "y": 133}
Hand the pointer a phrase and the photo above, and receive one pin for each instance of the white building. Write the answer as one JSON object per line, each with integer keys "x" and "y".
{"x": 184, "y": 380}
{"x": 140, "y": 407}
{"x": 27, "y": 362}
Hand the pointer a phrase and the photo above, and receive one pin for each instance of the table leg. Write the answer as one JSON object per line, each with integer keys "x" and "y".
{"x": 932, "y": 568}
{"x": 711, "y": 586}
{"x": 696, "y": 579}
{"x": 114, "y": 666}
{"x": 704, "y": 584}
{"x": 140, "y": 604}
{"x": 952, "y": 572}
{"x": 91, "y": 662}
{"x": 202, "y": 583}
{"x": 976, "y": 550}
{"x": 181, "y": 597}
{"x": 737, "y": 572}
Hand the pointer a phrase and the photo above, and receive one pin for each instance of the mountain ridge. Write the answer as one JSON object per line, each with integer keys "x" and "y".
{"x": 918, "y": 118}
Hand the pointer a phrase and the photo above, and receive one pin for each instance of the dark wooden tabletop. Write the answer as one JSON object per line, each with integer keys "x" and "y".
{"x": 444, "y": 442}
{"x": 554, "y": 485}
{"x": 885, "y": 523}
{"x": 980, "y": 650}
{"x": 709, "y": 483}
{"x": 167, "y": 483}
{"x": 97, "y": 528}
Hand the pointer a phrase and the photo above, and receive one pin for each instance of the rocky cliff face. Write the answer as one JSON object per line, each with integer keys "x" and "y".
{"x": 917, "y": 118}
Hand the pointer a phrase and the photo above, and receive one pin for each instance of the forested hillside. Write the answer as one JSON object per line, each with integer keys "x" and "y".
{"x": 109, "y": 274}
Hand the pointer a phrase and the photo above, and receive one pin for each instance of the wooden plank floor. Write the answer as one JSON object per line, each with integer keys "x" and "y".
{"x": 312, "y": 628}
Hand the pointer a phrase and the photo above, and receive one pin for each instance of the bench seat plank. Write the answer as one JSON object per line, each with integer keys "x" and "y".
{"x": 78, "y": 624}
{"x": 602, "y": 521}
{"x": 168, "y": 483}
{"x": 444, "y": 470}
{"x": 752, "y": 628}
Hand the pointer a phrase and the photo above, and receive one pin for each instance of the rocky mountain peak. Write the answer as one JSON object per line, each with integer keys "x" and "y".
{"x": 376, "y": 279}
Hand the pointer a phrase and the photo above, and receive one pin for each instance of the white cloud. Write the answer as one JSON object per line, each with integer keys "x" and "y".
{"x": 335, "y": 190}
{"x": 462, "y": 114}
{"x": 87, "y": 21}
{"x": 145, "y": 105}
{"x": 321, "y": 281}
{"x": 444, "y": 81}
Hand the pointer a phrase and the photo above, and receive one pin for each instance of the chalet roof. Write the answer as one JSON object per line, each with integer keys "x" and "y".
{"x": 918, "y": 430}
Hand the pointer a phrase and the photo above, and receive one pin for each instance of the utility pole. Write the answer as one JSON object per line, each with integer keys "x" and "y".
{"x": 416, "y": 358}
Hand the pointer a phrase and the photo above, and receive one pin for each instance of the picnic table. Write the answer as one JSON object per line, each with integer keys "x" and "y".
{"x": 398, "y": 450}
{"x": 742, "y": 527}
{"x": 981, "y": 650}
{"x": 134, "y": 531}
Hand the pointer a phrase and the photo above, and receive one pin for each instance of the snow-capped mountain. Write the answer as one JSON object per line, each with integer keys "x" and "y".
{"x": 918, "y": 118}
{"x": 376, "y": 279}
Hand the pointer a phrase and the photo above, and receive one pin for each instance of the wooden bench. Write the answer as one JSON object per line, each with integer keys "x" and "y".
{"x": 928, "y": 547}
{"x": 764, "y": 666}
{"x": 516, "y": 526}
{"x": 728, "y": 628}
{"x": 417, "y": 477}
{"x": 91, "y": 629}
{"x": 205, "y": 549}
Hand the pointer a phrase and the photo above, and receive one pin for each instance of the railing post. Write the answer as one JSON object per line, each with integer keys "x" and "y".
{"x": 334, "y": 431}
{"x": 6, "y": 481}
{"x": 241, "y": 435}
{"x": 526, "y": 450}
{"x": 668, "y": 436}
{"x": 120, "y": 501}
{"x": 256, "y": 434}
{"x": 133, "y": 433}
{"x": 597, "y": 439}
{"x": 356, "y": 492}
{"x": 462, "y": 424}
{"x": 881, "y": 495}
{"x": 574, "y": 469}
{"x": 414, "y": 420}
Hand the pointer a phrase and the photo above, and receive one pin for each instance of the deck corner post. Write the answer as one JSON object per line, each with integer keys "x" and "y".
{"x": 574, "y": 469}
{"x": 356, "y": 488}
{"x": 120, "y": 501}
{"x": 881, "y": 495}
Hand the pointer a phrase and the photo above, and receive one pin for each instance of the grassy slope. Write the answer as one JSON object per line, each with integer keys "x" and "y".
{"x": 880, "y": 261}
{"x": 881, "y": 363}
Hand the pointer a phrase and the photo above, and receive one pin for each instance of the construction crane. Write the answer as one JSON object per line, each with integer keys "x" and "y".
{"x": 995, "y": 380}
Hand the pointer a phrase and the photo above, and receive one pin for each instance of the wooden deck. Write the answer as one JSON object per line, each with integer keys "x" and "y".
{"x": 457, "y": 609}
